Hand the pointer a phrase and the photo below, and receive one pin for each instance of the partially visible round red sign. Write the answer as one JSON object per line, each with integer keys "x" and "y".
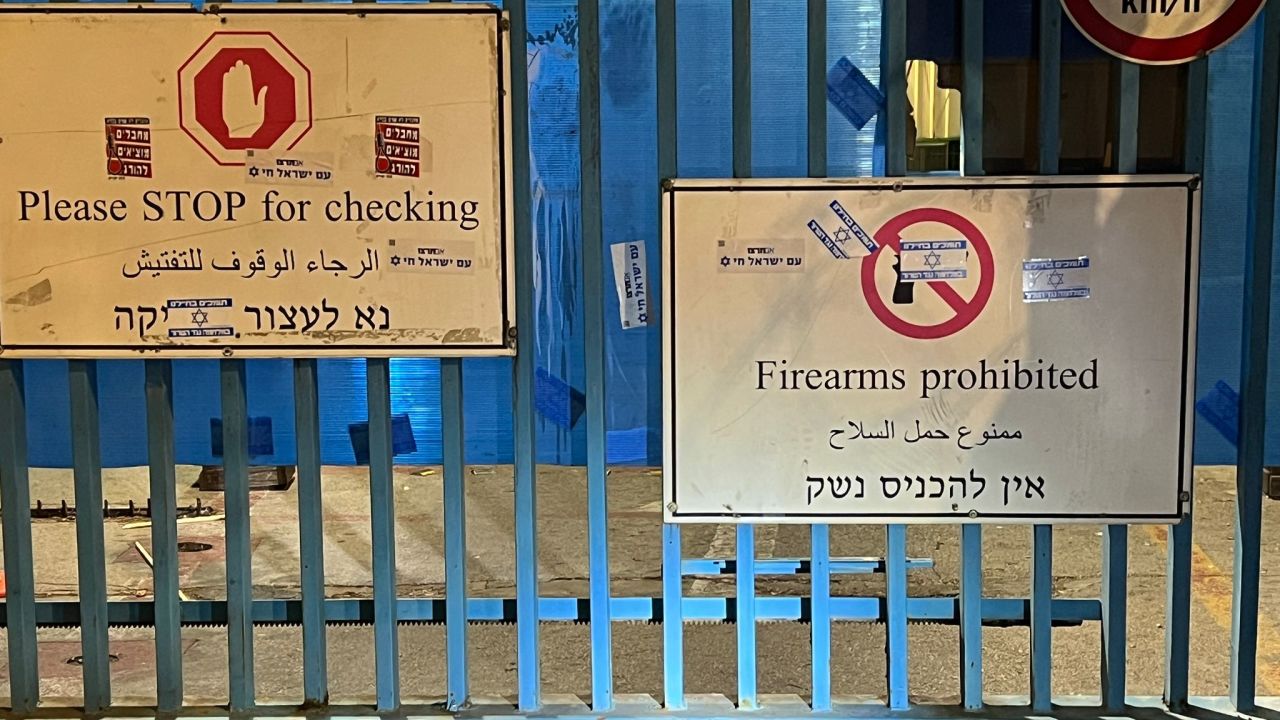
{"x": 1161, "y": 32}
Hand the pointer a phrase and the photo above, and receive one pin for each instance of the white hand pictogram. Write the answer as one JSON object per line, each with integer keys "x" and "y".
{"x": 242, "y": 112}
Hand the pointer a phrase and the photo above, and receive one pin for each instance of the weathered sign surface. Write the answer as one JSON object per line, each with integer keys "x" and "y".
{"x": 996, "y": 350}
{"x": 267, "y": 182}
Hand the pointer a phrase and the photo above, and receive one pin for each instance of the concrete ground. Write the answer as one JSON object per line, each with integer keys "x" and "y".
{"x": 635, "y": 555}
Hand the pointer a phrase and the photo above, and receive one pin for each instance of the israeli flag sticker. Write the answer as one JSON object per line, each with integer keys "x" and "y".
{"x": 933, "y": 260}
{"x": 1047, "y": 280}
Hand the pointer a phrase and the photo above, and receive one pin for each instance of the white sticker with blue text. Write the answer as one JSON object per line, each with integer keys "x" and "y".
{"x": 1046, "y": 280}
{"x": 840, "y": 241}
{"x": 934, "y": 259}
{"x": 775, "y": 255}
{"x": 631, "y": 276}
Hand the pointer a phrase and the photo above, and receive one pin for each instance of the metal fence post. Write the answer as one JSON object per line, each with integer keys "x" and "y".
{"x": 15, "y": 488}
{"x": 819, "y": 535}
{"x": 164, "y": 534}
{"x": 1254, "y": 339}
{"x": 1178, "y": 565}
{"x": 1050, "y": 73}
{"x": 526, "y": 501}
{"x": 594, "y": 353}
{"x": 453, "y": 431}
{"x": 382, "y": 519}
{"x": 91, "y": 561}
{"x": 746, "y": 547}
{"x": 306, "y": 399}
{"x": 893, "y": 82}
{"x": 672, "y": 574}
{"x": 235, "y": 473}
{"x": 972, "y": 99}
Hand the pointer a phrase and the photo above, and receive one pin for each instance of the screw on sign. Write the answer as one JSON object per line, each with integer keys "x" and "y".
{"x": 964, "y": 311}
{"x": 244, "y": 91}
{"x": 1161, "y": 32}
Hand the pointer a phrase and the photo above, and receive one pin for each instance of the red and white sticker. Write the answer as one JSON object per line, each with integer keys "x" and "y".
{"x": 398, "y": 145}
{"x": 1161, "y": 32}
{"x": 128, "y": 147}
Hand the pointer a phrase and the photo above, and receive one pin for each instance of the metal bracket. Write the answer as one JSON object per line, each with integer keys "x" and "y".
{"x": 1271, "y": 481}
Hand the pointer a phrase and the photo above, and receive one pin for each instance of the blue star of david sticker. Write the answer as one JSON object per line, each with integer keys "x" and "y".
{"x": 932, "y": 260}
{"x": 199, "y": 317}
{"x": 843, "y": 235}
{"x": 1055, "y": 278}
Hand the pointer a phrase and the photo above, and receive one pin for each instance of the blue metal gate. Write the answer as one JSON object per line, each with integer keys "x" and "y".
{"x": 240, "y": 612}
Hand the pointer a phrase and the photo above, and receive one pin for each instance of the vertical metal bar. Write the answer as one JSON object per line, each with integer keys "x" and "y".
{"x": 746, "y": 546}
{"x": 672, "y": 577}
{"x": 594, "y": 342}
{"x": 1050, "y": 72}
{"x": 817, "y": 87}
{"x": 1255, "y": 335}
{"x": 971, "y": 616}
{"x": 164, "y": 534}
{"x": 971, "y": 98}
{"x": 1127, "y": 142}
{"x": 820, "y": 615}
{"x": 91, "y": 560}
{"x": 453, "y": 432}
{"x": 672, "y": 620}
{"x": 745, "y": 577}
{"x": 1177, "y": 637}
{"x": 15, "y": 492}
{"x": 819, "y": 535}
{"x": 896, "y": 625}
{"x": 665, "y": 43}
{"x": 382, "y": 518}
{"x": 527, "y": 656}
{"x": 741, "y": 88}
{"x": 1042, "y": 617}
{"x": 235, "y": 472}
{"x": 1050, "y": 84}
{"x": 893, "y": 81}
{"x": 306, "y": 408}
{"x": 1196, "y": 115}
{"x": 1115, "y": 591}
{"x": 1115, "y": 544}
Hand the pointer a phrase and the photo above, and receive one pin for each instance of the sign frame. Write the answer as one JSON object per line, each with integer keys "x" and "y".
{"x": 1171, "y": 509}
{"x": 504, "y": 346}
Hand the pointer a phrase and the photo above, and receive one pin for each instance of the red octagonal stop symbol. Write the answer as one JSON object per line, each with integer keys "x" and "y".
{"x": 244, "y": 91}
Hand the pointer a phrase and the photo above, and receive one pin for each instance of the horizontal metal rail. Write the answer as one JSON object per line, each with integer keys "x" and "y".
{"x": 795, "y": 566}
{"x": 995, "y": 611}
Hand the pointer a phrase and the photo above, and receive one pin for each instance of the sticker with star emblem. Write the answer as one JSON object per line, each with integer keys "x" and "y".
{"x": 934, "y": 259}
{"x": 201, "y": 317}
{"x": 1046, "y": 280}
{"x": 844, "y": 239}
{"x": 776, "y": 255}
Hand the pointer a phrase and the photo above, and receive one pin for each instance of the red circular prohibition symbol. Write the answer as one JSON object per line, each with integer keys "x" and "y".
{"x": 966, "y": 311}
{"x": 1161, "y": 51}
